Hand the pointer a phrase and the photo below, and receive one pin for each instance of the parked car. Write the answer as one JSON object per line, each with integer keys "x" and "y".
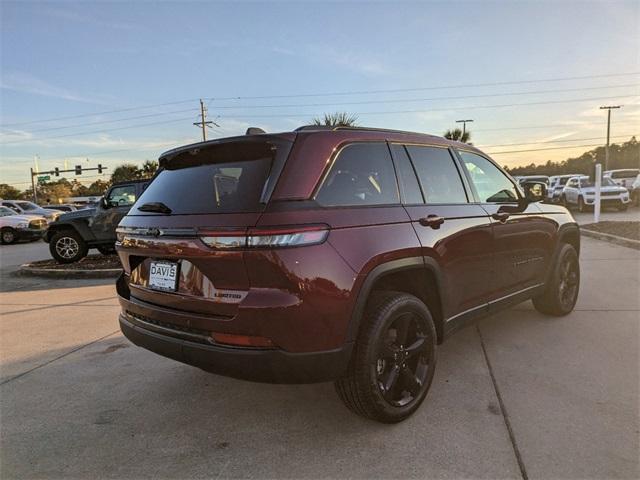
{"x": 24, "y": 207}
{"x": 63, "y": 207}
{"x": 342, "y": 254}
{"x": 14, "y": 227}
{"x": 533, "y": 178}
{"x": 581, "y": 192}
{"x": 556, "y": 186}
{"x": 634, "y": 192}
{"x": 74, "y": 233}
{"x": 623, "y": 177}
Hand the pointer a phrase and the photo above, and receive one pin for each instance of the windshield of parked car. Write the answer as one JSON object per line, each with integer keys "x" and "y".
{"x": 606, "y": 182}
{"x": 5, "y": 211}
{"x": 27, "y": 205}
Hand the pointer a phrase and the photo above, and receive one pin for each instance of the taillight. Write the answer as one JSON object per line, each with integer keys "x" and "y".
{"x": 276, "y": 237}
{"x": 242, "y": 340}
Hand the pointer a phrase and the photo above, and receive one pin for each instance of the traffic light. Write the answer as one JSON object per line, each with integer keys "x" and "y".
{"x": 99, "y": 168}
{"x": 78, "y": 169}
{"x": 56, "y": 172}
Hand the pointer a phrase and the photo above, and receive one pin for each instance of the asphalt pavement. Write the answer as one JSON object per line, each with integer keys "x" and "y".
{"x": 518, "y": 395}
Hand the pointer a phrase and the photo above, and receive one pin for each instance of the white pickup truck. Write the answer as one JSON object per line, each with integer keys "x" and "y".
{"x": 14, "y": 227}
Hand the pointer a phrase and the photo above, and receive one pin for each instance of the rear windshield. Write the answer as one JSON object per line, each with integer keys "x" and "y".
{"x": 234, "y": 178}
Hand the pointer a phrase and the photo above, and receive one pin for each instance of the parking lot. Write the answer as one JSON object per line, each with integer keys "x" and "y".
{"x": 520, "y": 395}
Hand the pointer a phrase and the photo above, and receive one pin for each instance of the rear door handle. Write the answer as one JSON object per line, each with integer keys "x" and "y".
{"x": 500, "y": 216}
{"x": 433, "y": 221}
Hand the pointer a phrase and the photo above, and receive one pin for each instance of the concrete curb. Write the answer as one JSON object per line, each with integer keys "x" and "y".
{"x": 28, "y": 270}
{"x": 607, "y": 237}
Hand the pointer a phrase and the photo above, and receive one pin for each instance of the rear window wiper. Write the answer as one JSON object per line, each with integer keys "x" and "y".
{"x": 157, "y": 207}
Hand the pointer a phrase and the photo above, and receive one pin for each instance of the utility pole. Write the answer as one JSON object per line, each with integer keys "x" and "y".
{"x": 203, "y": 121}
{"x": 464, "y": 125}
{"x": 608, "y": 108}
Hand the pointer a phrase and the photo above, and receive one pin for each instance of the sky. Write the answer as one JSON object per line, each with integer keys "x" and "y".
{"x": 114, "y": 82}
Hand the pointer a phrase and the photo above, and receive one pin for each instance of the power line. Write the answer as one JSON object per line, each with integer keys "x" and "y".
{"x": 555, "y": 141}
{"x": 440, "y": 109}
{"x": 101, "y": 122}
{"x": 408, "y": 100}
{"x": 107, "y": 112}
{"x": 439, "y": 87}
{"x": 328, "y": 94}
{"x": 366, "y": 102}
{"x": 175, "y": 120}
{"x": 310, "y": 115}
{"x": 547, "y": 148}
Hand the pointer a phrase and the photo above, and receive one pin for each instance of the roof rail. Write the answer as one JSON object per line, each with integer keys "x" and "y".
{"x": 365, "y": 129}
{"x": 314, "y": 127}
{"x": 374, "y": 129}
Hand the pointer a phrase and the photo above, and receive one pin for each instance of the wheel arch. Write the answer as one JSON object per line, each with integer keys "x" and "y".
{"x": 55, "y": 228}
{"x": 418, "y": 276}
{"x": 570, "y": 234}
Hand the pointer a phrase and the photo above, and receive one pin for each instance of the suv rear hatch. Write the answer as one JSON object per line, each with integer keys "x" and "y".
{"x": 205, "y": 195}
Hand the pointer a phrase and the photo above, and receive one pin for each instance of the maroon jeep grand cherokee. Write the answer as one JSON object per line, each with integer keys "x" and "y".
{"x": 343, "y": 254}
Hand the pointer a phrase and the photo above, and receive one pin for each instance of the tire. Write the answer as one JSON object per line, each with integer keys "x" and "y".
{"x": 8, "y": 236}
{"x": 107, "y": 249}
{"x": 563, "y": 286}
{"x": 380, "y": 357}
{"x": 67, "y": 246}
{"x": 581, "y": 205}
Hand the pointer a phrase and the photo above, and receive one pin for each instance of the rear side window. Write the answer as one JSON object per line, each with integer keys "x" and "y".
{"x": 407, "y": 179}
{"x": 438, "y": 174}
{"x": 492, "y": 185}
{"x": 226, "y": 178}
{"x": 362, "y": 174}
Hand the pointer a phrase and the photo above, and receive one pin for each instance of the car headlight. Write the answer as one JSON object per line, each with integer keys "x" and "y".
{"x": 22, "y": 225}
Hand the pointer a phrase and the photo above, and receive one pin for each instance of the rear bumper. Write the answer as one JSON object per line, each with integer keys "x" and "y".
{"x": 258, "y": 365}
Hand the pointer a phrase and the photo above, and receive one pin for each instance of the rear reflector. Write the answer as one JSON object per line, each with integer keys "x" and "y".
{"x": 242, "y": 340}
{"x": 266, "y": 237}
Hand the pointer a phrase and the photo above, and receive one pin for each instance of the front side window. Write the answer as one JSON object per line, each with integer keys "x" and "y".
{"x": 438, "y": 175}
{"x": 122, "y": 196}
{"x": 492, "y": 185}
{"x": 362, "y": 174}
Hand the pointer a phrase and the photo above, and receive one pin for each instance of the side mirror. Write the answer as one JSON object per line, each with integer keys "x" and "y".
{"x": 534, "y": 191}
{"x": 104, "y": 203}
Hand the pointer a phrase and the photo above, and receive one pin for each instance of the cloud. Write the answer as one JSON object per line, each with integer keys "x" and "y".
{"x": 27, "y": 83}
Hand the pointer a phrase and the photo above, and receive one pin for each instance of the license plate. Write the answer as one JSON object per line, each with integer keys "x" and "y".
{"x": 163, "y": 276}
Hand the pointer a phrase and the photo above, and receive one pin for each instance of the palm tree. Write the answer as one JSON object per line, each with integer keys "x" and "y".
{"x": 457, "y": 135}
{"x": 338, "y": 119}
{"x": 149, "y": 168}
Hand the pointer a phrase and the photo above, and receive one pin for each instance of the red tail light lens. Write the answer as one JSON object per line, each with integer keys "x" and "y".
{"x": 242, "y": 340}
{"x": 267, "y": 237}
